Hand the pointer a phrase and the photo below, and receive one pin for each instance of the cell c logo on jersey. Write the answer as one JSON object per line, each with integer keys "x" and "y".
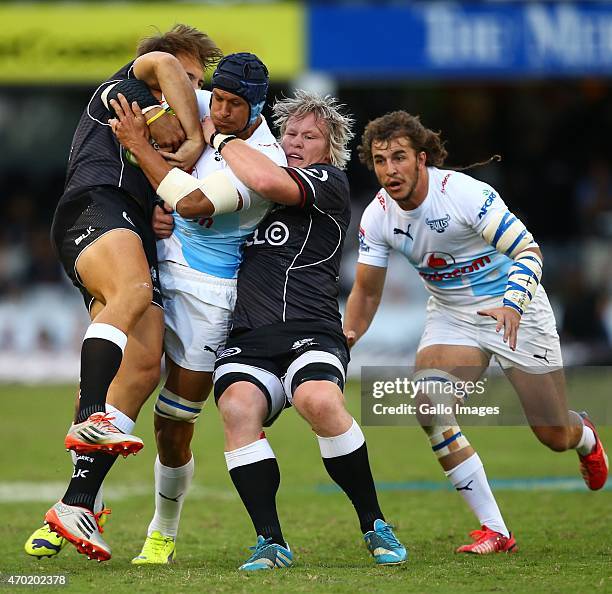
{"x": 277, "y": 233}
{"x": 438, "y": 260}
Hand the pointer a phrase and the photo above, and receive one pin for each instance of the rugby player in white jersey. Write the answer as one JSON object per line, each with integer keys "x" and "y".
{"x": 198, "y": 269}
{"x": 482, "y": 268}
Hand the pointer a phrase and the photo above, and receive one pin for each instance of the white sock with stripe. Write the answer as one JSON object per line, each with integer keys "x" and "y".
{"x": 171, "y": 486}
{"x": 470, "y": 480}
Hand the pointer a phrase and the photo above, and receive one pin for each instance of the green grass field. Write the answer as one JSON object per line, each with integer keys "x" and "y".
{"x": 564, "y": 536}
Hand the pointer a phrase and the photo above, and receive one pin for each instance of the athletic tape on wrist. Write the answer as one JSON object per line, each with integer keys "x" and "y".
{"x": 523, "y": 279}
{"x": 218, "y": 140}
{"x": 155, "y": 117}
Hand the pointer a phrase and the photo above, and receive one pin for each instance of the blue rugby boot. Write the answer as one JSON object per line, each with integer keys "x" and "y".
{"x": 267, "y": 555}
{"x": 384, "y": 546}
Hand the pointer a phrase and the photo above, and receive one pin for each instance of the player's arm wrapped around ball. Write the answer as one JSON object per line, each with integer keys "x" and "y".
{"x": 509, "y": 236}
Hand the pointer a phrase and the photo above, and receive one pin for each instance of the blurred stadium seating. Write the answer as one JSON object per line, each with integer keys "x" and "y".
{"x": 549, "y": 120}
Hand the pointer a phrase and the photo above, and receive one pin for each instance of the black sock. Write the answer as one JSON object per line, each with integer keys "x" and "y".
{"x": 88, "y": 475}
{"x": 100, "y": 362}
{"x": 257, "y": 485}
{"x": 353, "y": 475}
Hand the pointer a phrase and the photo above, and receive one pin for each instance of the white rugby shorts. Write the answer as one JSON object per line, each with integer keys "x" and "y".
{"x": 538, "y": 349}
{"x": 198, "y": 315}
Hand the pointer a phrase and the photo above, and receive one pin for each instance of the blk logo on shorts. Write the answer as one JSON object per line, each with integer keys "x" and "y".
{"x": 85, "y": 235}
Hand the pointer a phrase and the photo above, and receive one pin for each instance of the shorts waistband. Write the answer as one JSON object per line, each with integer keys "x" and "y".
{"x": 182, "y": 271}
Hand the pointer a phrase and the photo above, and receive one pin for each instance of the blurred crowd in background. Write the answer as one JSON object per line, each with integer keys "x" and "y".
{"x": 555, "y": 173}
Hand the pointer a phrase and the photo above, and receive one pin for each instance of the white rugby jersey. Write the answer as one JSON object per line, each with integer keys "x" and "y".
{"x": 441, "y": 238}
{"x": 213, "y": 245}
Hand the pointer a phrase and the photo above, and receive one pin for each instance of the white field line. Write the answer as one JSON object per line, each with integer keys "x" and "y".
{"x": 16, "y": 492}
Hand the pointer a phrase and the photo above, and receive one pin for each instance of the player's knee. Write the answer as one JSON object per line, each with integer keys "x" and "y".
{"x": 141, "y": 295}
{"x": 236, "y": 406}
{"x": 131, "y": 302}
{"x": 555, "y": 438}
{"x": 316, "y": 404}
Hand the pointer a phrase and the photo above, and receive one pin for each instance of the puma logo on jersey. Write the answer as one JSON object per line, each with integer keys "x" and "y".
{"x": 397, "y": 231}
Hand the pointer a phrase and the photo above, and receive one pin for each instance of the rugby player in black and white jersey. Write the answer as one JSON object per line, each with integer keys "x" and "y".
{"x": 287, "y": 345}
{"x": 102, "y": 233}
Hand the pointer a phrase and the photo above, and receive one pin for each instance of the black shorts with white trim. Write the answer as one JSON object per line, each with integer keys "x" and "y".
{"x": 280, "y": 357}
{"x": 83, "y": 216}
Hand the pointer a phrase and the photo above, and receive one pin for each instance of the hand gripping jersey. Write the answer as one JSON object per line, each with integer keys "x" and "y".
{"x": 291, "y": 263}
{"x": 213, "y": 245}
{"x": 441, "y": 238}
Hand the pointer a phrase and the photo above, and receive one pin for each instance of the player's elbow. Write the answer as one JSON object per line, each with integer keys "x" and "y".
{"x": 164, "y": 60}
{"x": 190, "y": 208}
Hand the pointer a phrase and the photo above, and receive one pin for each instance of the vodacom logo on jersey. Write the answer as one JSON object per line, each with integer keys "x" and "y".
{"x": 442, "y": 261}
{"x": 277, "y": 233}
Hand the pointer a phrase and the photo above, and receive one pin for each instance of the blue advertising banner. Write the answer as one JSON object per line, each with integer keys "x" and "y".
{"x": 461, "y": 39}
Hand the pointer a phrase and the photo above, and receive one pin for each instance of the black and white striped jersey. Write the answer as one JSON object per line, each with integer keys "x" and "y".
{"x": 292, "y": 260}
{"x": 96, "y": 157}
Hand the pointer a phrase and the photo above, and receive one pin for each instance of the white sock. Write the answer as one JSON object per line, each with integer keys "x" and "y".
{"x": 121, "y": 420}
{"x": 98, "y": 503}
{"x": 173, "y": 483}
{"x": 470, "y": 480}
{"x": 343, "y": 444}
{"x": 249, "y": 454}
{"x": 587, "y": 441}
